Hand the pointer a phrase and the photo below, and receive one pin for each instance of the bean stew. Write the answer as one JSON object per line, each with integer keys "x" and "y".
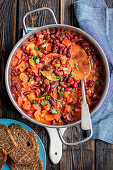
{"x": 46, "y": 75}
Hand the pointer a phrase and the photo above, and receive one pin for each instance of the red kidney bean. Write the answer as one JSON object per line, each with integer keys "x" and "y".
{"x": 57, "y": 33}
{"x": 74, "y": 39}
{"x": 53, "y": 122}
{"x": 94, "y": 58}
{"x": 24, "y": 46}
{"x": 52, "y": 37}
{"x": 72, "y": 85}
{"x": 57, "y": 41}
{"x": 88, "y": 52}
{"x": 29, "y": 112}
{"x": 90, "y": 83}
{"x": 26, "y": 93}
{"x": 45, "y": 52}
{"x": 59, "y": 38}
{"x": 59, "y": 73}
{"x": 58, "y": 44}
{"x": 77, "y": 105}
{"x": 18, "y": 87}
{"x": 43, "y": 85}
{"x": 64, "y": 119}
{"x": 54, "y": 48}
{"x": 46, "y": 36}
{"x": 69, "y": 79}
{"x": 49, "y": 111}
{"x": 53, "y": 61}
{"x": 37, "y": 91}
{"x": 79, "y": 84}
{"x": 68, "y": 36}
{"x": 52, "y": 31}
{"x": 31, "y": 38}
{"x": 68, "y": 88}
{"x": 40, "y": 46}
{"x": 68, "y": 55}
{"x": 63, "y": 85}
{"x": 72, "y": 103}
{"x": 42, "y": 59}
{"x": 53, "y": 103}
{"x": 13, "y": 89}
{"x": 37, "y": 36}
{"x": 37, "y": 79}
{"x": 19, "y": 61}
{"x": 27, "y": 58}
{"x": 60, "y": 51}
{"x": 33, "y": 87}
{"x": 65, "y": 51}
{"x": 78, "y": 42}
{"x": 92, "y": 49}
{"x": 84, "y": 63}
{"x": 83, "y": 45}
{"x": 60, "y": 97}
{"x": 39, "y": 72}
{"x": 29, "y": 70}
{"x": 48, "y": 68}
{"x": 48, "y": 87}
{"x": 26, "y": 52}
{"x": 53, "y": 86}
{"x": 16, "y": 72}
{"x": 61, "y": 45}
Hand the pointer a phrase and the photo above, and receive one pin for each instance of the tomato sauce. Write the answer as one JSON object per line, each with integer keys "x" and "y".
{"x": 46, "y": 74}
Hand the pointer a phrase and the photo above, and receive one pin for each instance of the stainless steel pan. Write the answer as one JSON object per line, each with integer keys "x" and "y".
{"x": 22, "y": 41}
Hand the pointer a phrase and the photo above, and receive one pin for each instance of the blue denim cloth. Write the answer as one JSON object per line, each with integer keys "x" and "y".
{"x": 95, "y": 18}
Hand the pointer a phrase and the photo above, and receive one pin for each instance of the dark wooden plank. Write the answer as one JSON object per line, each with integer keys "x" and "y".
{"x": 81, "y": 156}
{"x": 7, "y": 41}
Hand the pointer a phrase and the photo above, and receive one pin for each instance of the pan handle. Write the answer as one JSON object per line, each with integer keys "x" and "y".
{"x": 76, "y": 143}
{"x": 37, "y": 10}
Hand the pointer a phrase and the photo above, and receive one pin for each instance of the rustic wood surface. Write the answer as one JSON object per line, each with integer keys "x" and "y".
{"x": 92, "y": 155}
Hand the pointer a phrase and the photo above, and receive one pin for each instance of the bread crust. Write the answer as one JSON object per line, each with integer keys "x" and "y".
{"x": 11, "y": 139}
{"x": 14, "y": 154}
{"x": 4, "y": 159}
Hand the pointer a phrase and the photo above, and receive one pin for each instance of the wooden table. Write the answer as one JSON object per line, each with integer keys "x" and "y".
{"x": 94, "y": 154}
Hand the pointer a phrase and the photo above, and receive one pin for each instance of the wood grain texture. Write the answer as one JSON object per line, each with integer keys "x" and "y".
{"x": 89, "y": 156}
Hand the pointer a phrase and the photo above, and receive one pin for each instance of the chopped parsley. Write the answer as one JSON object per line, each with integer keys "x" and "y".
{"x": 44, "y": 41}
{"x": 72, "y": 73}
{"x": 36, "y": 48}
{"x": 76, "y": 65}
{"x": 48, "y": 64}
{"x": 97, "y": 82}
{"x": 72, "y": 108}
{"x": 59, "y": 77}
{"x": 53, "y": 74}
{"x": 32, "y": 101}
{"x": 58, "y": 100}
{"x": 87, "y": 100}
{"x": 27, "y": 66}
{"x": 65, "y": 31}
{"x": 75, "y": 94}
{"x": 62, "y": 35}
{"x": 63, "y": 102}
{"x": 54, "y": 110}
{"x": 60, "y": 91}
{"x": 98, "y": 73}
{"x": 53, "y": 82}
{"x": 44, "y": 102}
{"x": 18, "y": 76}
{"x": 80, "y": 48}
{"x": 40, "y": 82}
{"x": 37, "y": 60}
{"x": 30, "y": 80}
{"x": 74, "y": 90}
{"x": 80, "y": 98}
{"x": 59, "y": 114}
{"x": 54, "y": 42}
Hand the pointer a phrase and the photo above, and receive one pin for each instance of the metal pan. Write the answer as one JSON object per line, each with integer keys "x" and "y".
{"x": 22, "y": 41}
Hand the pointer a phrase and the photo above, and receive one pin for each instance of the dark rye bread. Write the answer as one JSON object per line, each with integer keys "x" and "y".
{"x": 3, "y": 158}
{"x": 24, "y": 141}
{"x": 32, "y": 157}
{"x": 36, "y": 166}
{"x": 7, "y": 141}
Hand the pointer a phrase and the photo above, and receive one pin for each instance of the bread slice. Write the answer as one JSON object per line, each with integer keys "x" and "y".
{"x": 7, "y": 141}
{"x": 3, "y": 158}
{"x": 33, "y": 156}
{"x": 24, "y": 141}
{"x": 37, "y": 166}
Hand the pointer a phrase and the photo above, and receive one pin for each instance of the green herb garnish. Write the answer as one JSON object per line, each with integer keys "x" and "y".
{"x": 48, "y": 64}
{"x": 53, "y": 82}
{"x": 54, "y": 110}
{"x": 44, "y": 102}
{"x": 72, "y": 108}
{"x": 65, "y": 31}
{"x": 44, "y": 41}
{"x": 37, "y": 60}
{"x": 75, "y": 94}
{"x": 54, "y": 42}
{"x": 97, "y": 82}
{"x": 62, "y": 35}
{"x": 72, "y": 73}
{"x": 53, "y": 74}
{"x": 58, "y": 100}
{"x": 98, "y": 73}
{"x": 36, "y": 48}
{"x": 40, "y": 82}
{"x": 63, "y": 102}
{"x": 87, "y": 100}
{"x": 76, "y": 65}
{"x": 18, "y": 76}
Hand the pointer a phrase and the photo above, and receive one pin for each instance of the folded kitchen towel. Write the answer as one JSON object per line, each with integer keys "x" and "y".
{"x": 95, "y": 18}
